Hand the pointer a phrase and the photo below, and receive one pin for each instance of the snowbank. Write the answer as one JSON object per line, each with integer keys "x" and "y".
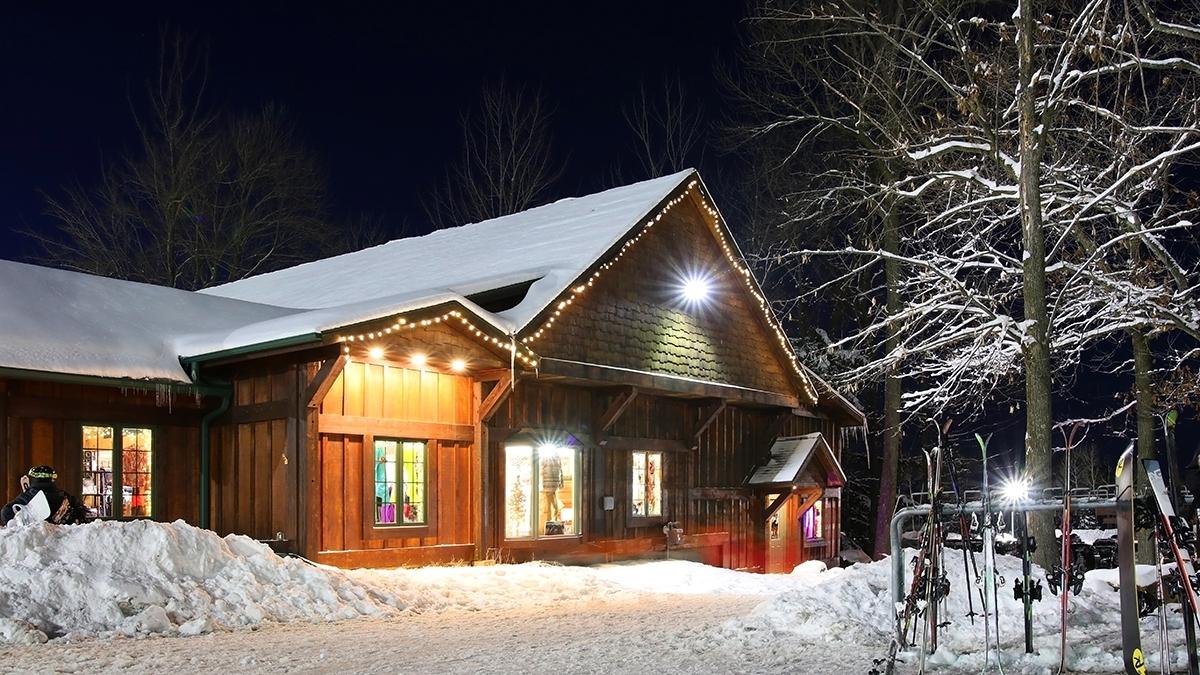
{"x": 144, "y": 577}
{"x": 849, "y": 610}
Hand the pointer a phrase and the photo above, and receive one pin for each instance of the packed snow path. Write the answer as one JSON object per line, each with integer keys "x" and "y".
{"x": 154, "y": 597}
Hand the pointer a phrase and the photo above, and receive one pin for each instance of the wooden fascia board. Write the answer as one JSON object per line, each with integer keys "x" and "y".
{"x": 664, "y": 384}
{"x": 382, "y": 426}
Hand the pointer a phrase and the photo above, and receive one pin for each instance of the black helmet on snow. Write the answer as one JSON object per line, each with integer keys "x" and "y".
{"x": 42, "y": 472}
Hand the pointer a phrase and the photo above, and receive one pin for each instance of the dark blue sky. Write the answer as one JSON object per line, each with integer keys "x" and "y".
{"x": 375, "y": 88}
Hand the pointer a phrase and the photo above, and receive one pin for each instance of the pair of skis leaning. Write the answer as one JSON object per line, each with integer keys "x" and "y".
{"x": 1173, "y": 535}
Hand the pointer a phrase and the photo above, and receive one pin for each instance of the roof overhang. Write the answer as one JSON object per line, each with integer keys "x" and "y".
{"x": 792, "y": 457}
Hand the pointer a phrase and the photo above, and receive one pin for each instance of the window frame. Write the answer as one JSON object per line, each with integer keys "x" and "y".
{"x": 118, "y": 469}
{"x": 820, "y": 539}
{"x": 536, "y": 537}
{"x": 644, "y": 521}
{"x": 373, "y": 530}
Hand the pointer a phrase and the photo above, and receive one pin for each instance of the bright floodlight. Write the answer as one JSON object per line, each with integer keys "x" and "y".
{"x": 696, "y": 289}
{"x": 458, "y": 365}
{"x": 417, "y": 359}
{"x": 375, "y": 353}
{"x": 1014, "y": 490}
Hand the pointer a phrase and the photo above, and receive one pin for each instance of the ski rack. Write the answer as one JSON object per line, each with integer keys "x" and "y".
{"x": 1101, "y": 497}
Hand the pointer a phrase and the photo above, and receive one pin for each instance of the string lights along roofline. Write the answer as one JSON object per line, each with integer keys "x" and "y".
{"x": 733, "y": 257}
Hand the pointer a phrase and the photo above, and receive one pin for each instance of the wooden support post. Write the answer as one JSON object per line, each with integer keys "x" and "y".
{"x": 477, "y": 482}
{"x": 308, "y": 445}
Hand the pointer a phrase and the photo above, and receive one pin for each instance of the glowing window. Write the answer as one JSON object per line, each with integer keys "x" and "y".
{"x": 124, "y": 468}
{"x": 400, "y": 482}
{"x": 647, "y": 484}
{"x": 811, "y": 521}
{"x": 540, "y": 491}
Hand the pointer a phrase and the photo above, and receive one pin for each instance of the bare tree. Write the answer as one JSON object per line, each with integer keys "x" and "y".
{"x": 507, "y": 163}
{"x": 203, "y": 198}
{"x": 667, "y": 127}
{"x": 1045, "y": 195}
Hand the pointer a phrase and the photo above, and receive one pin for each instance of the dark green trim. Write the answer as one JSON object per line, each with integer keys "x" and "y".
{"x": 98, "y": 381}
{"x": 206, "y": 456}
{"x": 295, "y": 340}
{"x": 226, "y": 394}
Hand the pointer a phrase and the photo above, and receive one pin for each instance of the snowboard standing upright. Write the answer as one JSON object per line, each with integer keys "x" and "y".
{"x": 1131, "y": 637}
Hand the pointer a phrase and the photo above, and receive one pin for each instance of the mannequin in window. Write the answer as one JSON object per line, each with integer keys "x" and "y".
{"x": 552, "y": 482}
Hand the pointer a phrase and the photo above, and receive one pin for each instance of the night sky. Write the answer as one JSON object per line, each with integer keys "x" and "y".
{"x": 376, "y": 89}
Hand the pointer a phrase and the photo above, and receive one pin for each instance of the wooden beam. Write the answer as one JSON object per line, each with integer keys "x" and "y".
{"x": 708, "y": 414}
{"x": 778, "y": 502}
{"x": 181, "y": 414}
{"x": 632, "y": 443}
{"x": 665, "y": 384}
{"x": 494, "y": 398}
{"x": 323, "y": 380}
{"x": 617, "y": 408}
{"x": 491, "y": 374}
{"x": 711, "y": 493}
{"x": 383, "y": 426}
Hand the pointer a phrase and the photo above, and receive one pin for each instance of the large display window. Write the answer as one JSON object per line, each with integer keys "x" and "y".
{"x": 541, "y": 491}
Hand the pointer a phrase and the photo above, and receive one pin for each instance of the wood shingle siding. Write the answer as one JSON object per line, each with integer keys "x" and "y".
{"x": 634, "y": 317}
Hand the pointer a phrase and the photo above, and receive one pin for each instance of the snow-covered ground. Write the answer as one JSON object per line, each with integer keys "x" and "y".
{"x": 165, "y": 597}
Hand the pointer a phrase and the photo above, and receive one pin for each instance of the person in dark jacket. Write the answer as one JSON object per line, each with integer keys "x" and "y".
{"x": 65, "y": 508}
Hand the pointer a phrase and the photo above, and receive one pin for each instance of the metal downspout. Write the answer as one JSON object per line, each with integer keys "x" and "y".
{"x": 206, "y": 447}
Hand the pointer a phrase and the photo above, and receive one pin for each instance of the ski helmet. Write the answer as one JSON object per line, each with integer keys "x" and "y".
{"x": 42, "y": 472}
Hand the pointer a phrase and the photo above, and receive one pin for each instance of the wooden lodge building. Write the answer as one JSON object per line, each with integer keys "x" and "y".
{"x": 560, "y": 383}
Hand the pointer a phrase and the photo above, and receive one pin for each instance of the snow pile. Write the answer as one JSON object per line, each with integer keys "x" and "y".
{"x": 543, "y": 584}
{"x": 849, "y": 610}
{"x": 144, "y": 577}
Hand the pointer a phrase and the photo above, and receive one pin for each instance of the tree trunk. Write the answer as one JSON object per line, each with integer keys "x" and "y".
{"x": 892, "y": 390}
{"x": 1143, "y": 365}
{"x": 1036, "y": 346}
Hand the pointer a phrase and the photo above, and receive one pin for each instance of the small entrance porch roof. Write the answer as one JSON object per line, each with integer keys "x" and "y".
{"x": 792, "y": 456}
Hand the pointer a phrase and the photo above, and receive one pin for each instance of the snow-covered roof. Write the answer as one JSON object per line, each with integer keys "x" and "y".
{"x": 791, "y": 455}
{"x": 71, "y": 323}
{"x": 550, "y": 245}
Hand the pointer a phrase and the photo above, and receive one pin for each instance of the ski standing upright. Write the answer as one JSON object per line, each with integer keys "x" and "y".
{"x": 1131, "y": 637}
{"x": 991, "y": 614}
{"x": 1067, "y": 577}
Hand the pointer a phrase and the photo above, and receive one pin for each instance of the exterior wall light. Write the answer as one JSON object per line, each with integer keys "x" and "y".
{"x": 458, "y": 365}
{"x": 696, "y": 289}
{"x": 375, "y": 353}
{"x": 417, "y": 359}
